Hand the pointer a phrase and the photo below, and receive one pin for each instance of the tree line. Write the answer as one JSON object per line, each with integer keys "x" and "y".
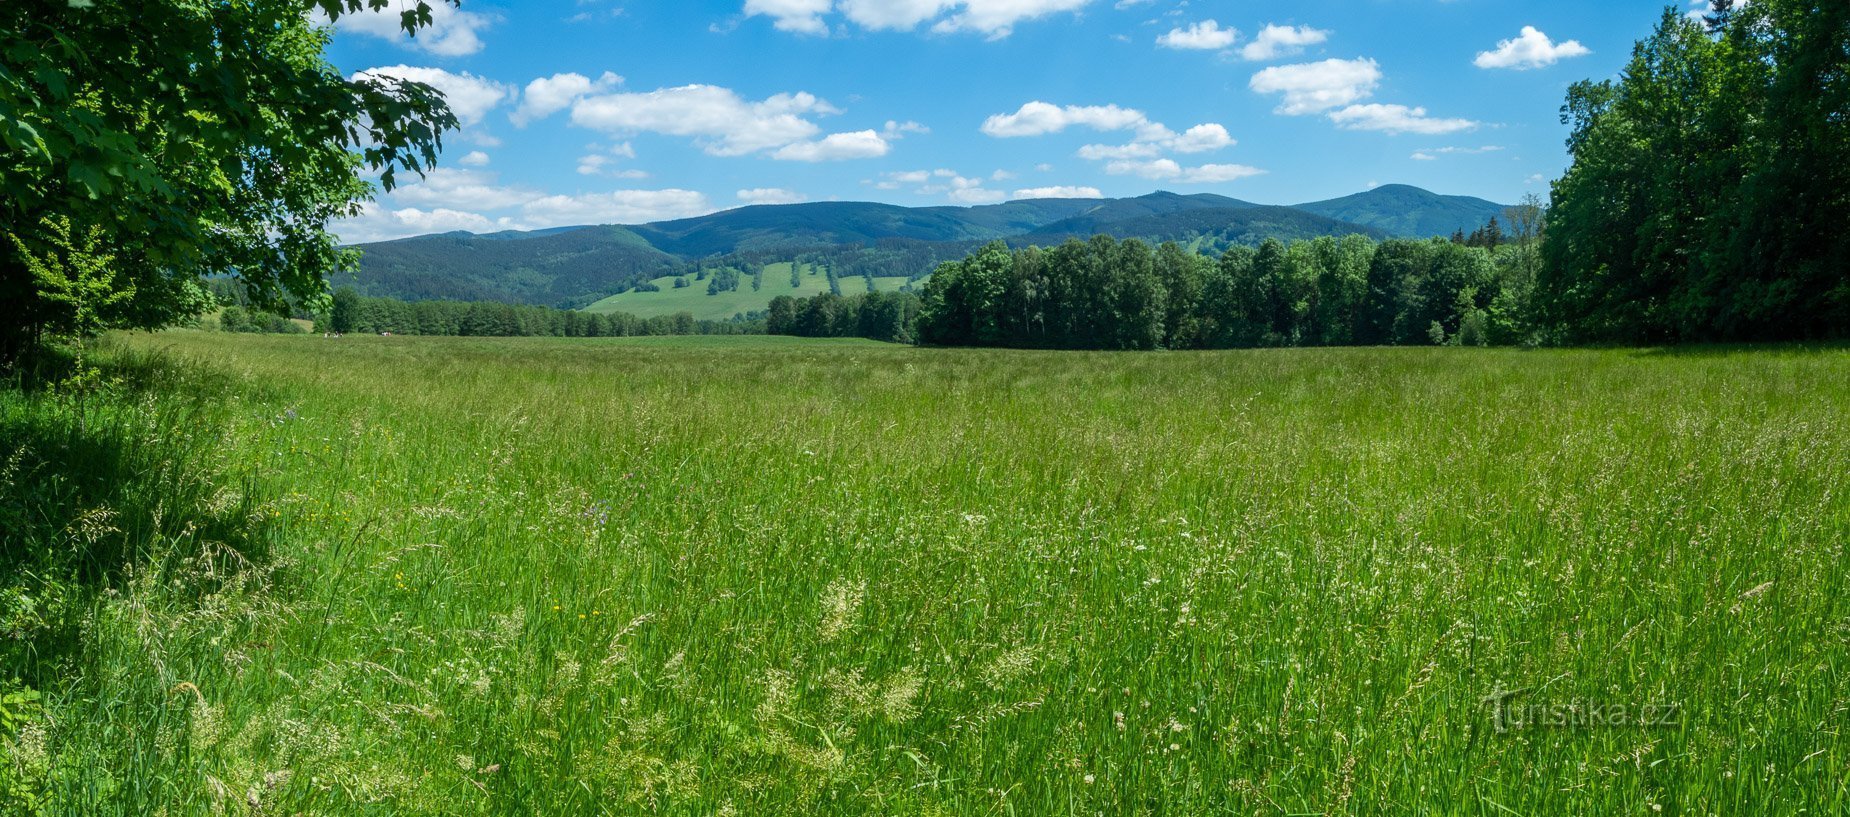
{"x": 1709, "y": 197}
{"x": 1112, "y": 294}
{"x": 888, "y": 316}
{"x": 351, "y": 312}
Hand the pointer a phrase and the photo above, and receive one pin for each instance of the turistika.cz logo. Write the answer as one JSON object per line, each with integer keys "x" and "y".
{"x": 1510, "y": 711}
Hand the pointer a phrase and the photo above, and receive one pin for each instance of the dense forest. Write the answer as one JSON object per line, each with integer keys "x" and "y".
{"x": 1709, "y": 198}
{"x": 888, "y": 316}
{"x": 352, "y": 312}
{"x": 1110, "y": 294}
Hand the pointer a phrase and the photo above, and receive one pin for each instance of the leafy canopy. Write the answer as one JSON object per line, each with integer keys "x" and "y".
{"x": 184, "y": 138}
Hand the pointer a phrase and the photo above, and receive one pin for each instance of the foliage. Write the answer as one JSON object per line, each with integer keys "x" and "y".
{"x": 1709, "y": 196}
{"x": 353, "y": 313}
{"x": 1106, "y": 294}
{"x": 887, "y": 316}
{"x": 178, "y": 139}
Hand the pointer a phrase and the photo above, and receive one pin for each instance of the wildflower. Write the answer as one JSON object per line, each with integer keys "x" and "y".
{"x": 1089, "y": 779}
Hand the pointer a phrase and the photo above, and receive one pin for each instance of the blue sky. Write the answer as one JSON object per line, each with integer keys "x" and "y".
{"x": 606, "y": 111}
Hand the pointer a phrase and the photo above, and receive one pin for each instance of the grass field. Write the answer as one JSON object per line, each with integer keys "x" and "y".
{"x": 723, "y": 305}
{"x": 751, "y": 576}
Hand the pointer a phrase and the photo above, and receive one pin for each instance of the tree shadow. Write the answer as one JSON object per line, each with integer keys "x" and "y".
{"x": 123, "y": 477}
{"x": 1725, "y": 350}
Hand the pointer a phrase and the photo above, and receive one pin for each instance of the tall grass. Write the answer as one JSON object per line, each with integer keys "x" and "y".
{"x": 763, "y": 576}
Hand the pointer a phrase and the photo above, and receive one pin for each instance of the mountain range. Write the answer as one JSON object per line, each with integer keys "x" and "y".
{"x": 573, "y": 266}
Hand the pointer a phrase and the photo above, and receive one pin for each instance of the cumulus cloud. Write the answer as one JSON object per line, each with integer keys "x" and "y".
{"x": 1171, "y": 170}
{"x": 1144, "y": 155}
{"x": 1206, "y": 35}
{"x": 474, "y": 158}
{"x": 1396, "y": 119}
{"x": 1201, "y": 139}
{"x": 977, "y": 195}
{"x": 451, "y": 188}
{"x": 1058, "y": 192}
{"x": 547, "y": 95}
{"x": 449, "y": 199}
{"x": 864, "y": 144}
{"x": 770, "y": 195}
{"x": 376, "y": 223}
{"x": 1315, "y": 87}
{"x": 1276, "y": 41}
{"x": 716, "y": 118}
{"x": 994, "y": 18}
{"x": 800, "y": 16}
{"x": 616, "y": 207}
{"x": 452, "y": 32}
{"x": 1041, "y": 118}
{"x": 470, "y": 97}
{"x": 1530, "y": 49}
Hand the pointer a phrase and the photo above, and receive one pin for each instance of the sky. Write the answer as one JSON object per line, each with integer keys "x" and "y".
{"x": 626, "y": 111}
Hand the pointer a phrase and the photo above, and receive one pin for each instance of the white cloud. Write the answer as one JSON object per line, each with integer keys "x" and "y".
{"x": 474, "y": 158}
{"x": 716, "y": 118}
{"x": 461, "y": 190}
{"x": 1134, "y": 150}
{"x": 1396, "y": 119}
{"x": 1001, "y": 176}
{"x": 1206, "y": 35}
{"x": 376, "y": 223}
{"x": 451, "y": 33}
{"x": 470, "y": 97}
{"x": 800, "y": 16}
{"x": 616, "y": 207}
{"x": 1432, "y": 154}
{"x": 548, "y": 95}
{"x": 1058, "y": 192}
{"x": 864, "y": 144}
{"x": 995, "y": 18}
{"x": 1170, "y": 170}
{"x": 1530, "y": 49}
{"x": 1314, "y": 87}
{"x": 1198, "y": 139}
{"x": 899, "y": 15}
{"x": 977, "y": 195}
{"x": 1276, "y": 41}
{"x": 1040, "y": 118}
{"x": 770, "y": 195}
{"x": 592, "y": 165}
{"x": 1201, "y": 139}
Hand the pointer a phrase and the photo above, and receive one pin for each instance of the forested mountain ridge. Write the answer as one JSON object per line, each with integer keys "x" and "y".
{"x": 1404, "y": 211}
{"x": 572, "y": 266}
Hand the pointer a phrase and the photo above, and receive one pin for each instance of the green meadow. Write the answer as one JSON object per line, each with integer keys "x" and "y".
{"x": 757, "y": 576}
{"x": 721, "y": 306}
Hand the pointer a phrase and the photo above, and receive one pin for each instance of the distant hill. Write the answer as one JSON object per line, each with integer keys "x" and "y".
{"x": 576, "y": 266}
{"x": 549, "y": 267}
{"x": 1405, "y": 211}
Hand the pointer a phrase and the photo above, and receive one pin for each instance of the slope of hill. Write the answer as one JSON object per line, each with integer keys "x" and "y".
{"x": 574, "y": 266}
{"x": 669, "y": 299}
{"x": 1405, "y": 211}
{"x": 551, "y": 267}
